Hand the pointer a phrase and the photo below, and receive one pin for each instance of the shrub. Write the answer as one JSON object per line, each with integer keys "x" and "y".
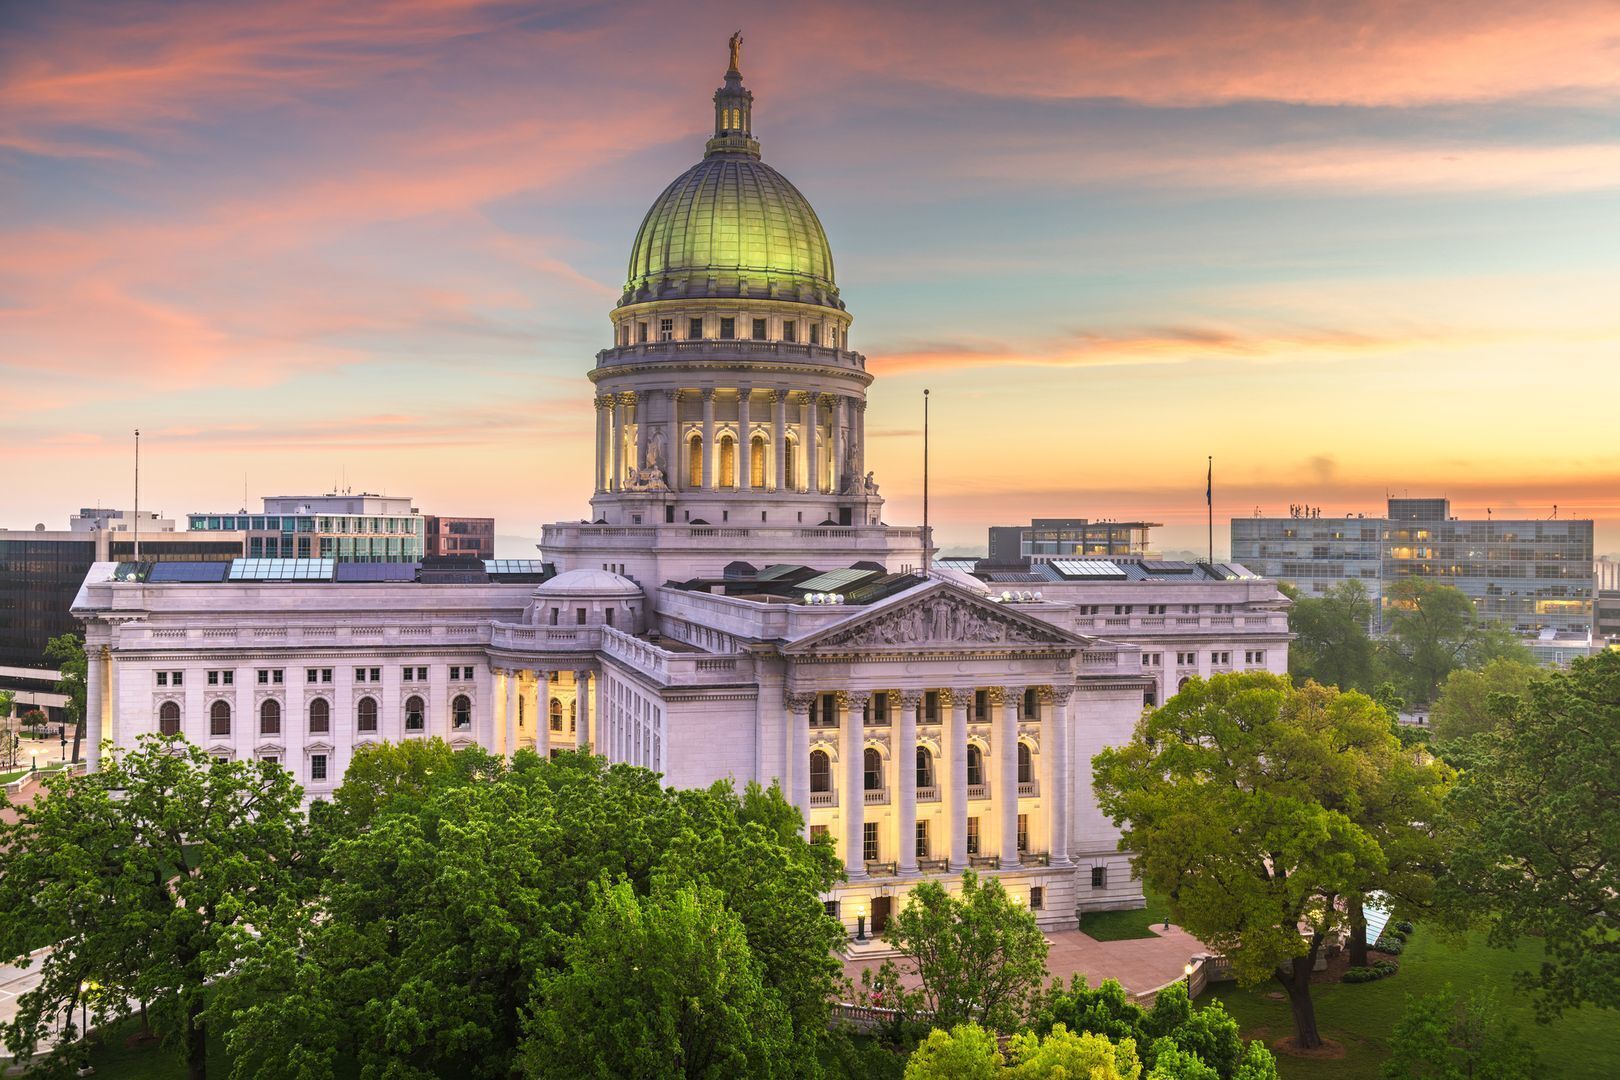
{"x": 1390, "y": 945}
{"x": 1405, "y": 927}
{"x": 1381, "y": 970}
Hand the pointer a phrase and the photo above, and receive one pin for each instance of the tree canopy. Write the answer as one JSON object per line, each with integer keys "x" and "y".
{"x": 978, "y": 955}
{"x": 1247, "y": 801}
{"x": 1468, "y": 702}
{"x": 1534, "y": 835}
{"x": 1432, "y": 630}
{"x": 1444, "y": 1037}
{"x": 66, "y": 651}
{"x": 1331, "y": 643}
{"x": 141, "y": 876}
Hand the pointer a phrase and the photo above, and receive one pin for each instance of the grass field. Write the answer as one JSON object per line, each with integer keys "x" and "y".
{"x": 1124, "y": 925}
{"x": 1584, "y": 1045}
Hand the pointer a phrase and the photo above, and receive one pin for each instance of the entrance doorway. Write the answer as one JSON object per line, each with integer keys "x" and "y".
{"x": 881, "y": 906}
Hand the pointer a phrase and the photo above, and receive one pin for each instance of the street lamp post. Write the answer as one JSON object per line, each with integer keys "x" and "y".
{"x": 1187, "y": 970}
{"x": 860, "y": 922}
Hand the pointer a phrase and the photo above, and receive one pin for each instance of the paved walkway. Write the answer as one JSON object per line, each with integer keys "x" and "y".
{"x": 1139, "y": 965}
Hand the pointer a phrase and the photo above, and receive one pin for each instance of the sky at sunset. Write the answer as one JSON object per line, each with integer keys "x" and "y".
{"x": 1345, "y": 248}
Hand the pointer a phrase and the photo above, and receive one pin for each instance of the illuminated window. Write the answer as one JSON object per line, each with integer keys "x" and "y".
{"x": 820, "y": 771}
{"x": 922, "y": 839}
{"x": 873, "y": 762}
{"x": 972, "y": 836}
{"x": 666, "y": 329}
{"x": 1023, "y": 833}
{"x": 1026, "y": 770}
{"x": 461, "y": 711}
{"x": 756, "y": 462}
{"x": 415, "y": 714}
{"x": 869, "y": 841}
{"x": 694, "y": 460}
{"x": 728, "y": 462}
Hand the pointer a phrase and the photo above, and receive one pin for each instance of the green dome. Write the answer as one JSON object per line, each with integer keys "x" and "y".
{"x": 731, "y": 226}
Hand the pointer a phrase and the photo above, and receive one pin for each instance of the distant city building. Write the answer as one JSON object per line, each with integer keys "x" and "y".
{"x": 1067, "y": 538}
{"x": 1606, "y": 603}
{"x": 341, "y": 527}
{"x": 41, "y": 570}
{"x": 1533, "y": 576}
{"x": 471, "y": 536}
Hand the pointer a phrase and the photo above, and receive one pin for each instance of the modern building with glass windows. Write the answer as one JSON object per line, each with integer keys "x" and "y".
{"x": 347, "y": 528}
{"x": 1044, "y": 539}
{"x": 1533, "y": 576}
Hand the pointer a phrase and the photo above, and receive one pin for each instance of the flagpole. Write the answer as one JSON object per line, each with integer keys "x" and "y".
{"x": 927, "y": 536}
{"x": 137, "y": 497}
{"x": 1209, "y": 498}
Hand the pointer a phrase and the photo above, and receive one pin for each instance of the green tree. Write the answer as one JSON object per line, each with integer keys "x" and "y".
{"x": 66, "y": 651}
{"x": 8, "y": 727}
{"x": 1206, "y": 1036}
{"x": 1434, "y": 629}
{"x": 978, "y": 955}
{"x": 137, "y": 875}
{"x": 660, "y": 986}
{"x": 1331, "y": 643}
{"x": 1468, "y": 702}
{"x": 466, "y": 887}
{"x": 1238, "y": 797}
{"x": 965, "y": 1052}
{"x": 1442, "y": 1037}
{"x": 1534, "y": 836}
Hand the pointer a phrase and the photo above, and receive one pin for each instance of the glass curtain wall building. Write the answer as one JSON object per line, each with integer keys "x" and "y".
{"x": 347, "y": 528}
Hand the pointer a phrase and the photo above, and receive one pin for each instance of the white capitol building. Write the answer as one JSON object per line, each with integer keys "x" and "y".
{"x": 736, "y": 609}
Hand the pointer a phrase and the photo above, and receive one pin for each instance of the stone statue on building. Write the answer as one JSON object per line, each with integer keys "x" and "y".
{"x": 736, "y": 50}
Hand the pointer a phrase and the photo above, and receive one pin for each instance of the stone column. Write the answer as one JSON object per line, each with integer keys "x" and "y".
{"x": 798, "y": 772}
{"x": 602, "y": 458}
{"x": 854, "y": 801}
{"x": 1055, "y": 745}
{"x": 812, "y": 444}
{"x": 514, "y": 685}
{"x": 745, "y": 444}
{"x": 779, "y": 442}
{"x": 633, "y": 408}
{"x": 857, "y": 434}
{"x": 709, "y": 457}
{"x": 674, "y": 456}
{"x": 906, "y": 753}
{"x": 958, "y": 700}
{"x": 617, "y": 433}
{"x": 835, "y": 471}
{"x": 582, "y": 710}
{"x": 95, "y": 675}
{"x": 1005, "y": 737}
{"x": 497, "y": 711}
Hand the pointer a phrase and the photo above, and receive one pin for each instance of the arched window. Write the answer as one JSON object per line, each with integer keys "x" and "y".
{"x": 874, "y": 770}
{"x": 461, "y": 711}
{"x": 1182, "y": 685}
{"x": 756, "y": 462}
{"x": 556, "y": 713}
{"x": 573, "y": 714}
{"x": 415, "y": 714}
{"x": 694, "y": 461}
{"x": 169, "y": 718}
{"x": 219, "y": 718}
{"x": 925, "y": 768}
{"x": 728, "y": 462}
{"x": 320, "y": 716}
{"x": 790, "y": 470}
{"x": 269, "y": 717}
{"x": 820, "y": 771}
{"x": 365, "y": 715}
{"x": 1026, "y": 771}
{"x": 975, "y": 764}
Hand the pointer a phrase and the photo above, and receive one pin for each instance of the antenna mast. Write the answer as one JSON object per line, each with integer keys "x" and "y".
{"x": 137, "y": 498}
{"x": 928, "y": 537}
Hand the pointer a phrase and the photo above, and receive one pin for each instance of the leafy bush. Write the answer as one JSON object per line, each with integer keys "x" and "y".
{"x": 1390, "y": 945}
{"x": 1405, "y": 927}
{"x": 1392, "y": 934}
{"x": 1381, "y": 970}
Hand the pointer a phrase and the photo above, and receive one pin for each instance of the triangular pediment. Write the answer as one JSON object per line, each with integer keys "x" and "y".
{"x": 939, "y": 616}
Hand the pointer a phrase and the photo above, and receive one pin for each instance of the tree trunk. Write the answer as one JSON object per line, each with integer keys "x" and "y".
{"x": 78, "y": 737}
{"x": 1358, "y": 933}
{"x": 1296, "y": 979}
{"x": 196, "y": 1043}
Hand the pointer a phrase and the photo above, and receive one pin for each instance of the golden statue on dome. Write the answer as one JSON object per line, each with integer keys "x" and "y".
{"x": 736, "y": 51}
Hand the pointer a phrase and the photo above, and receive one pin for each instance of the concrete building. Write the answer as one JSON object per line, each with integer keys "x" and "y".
{"x": 1044, "y": 539}
{"x": 470, "y": 537}
{"x": 736, "y": 608}
{"x": 1533, "y": 576}
{"x": 344, "y": 527}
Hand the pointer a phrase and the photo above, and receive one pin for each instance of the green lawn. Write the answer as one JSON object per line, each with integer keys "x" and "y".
{"x": 1581, "y": 1044}
{"x": 1123, "y": 925}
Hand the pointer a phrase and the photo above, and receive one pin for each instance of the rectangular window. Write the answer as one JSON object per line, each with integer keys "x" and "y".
{"x": 815, "y": 333}
{"x": 163, "y": 678}
{"x": 1099, "y": 877}
{"x": 818, "y": 832}
{"x": 312, "y": 674}
{"x": 359, "y": 674}
{"x": 213, "y": 678}
{"x": 922, "y": 839}
{"x": 410, "y": 675}
{"x": 728, "y": 329}
{"x": 326, "y": 674}
{"x": 981, "y": 704}
{"x": 641, "y": 333}
{"x": 973, "y": 836}
{"x": 376, "y": 674}
{"x": 759, "y": 329}
{"x": 264, "y": 677}
{"x": 421, "y": 674}
{"x": 317, "y": 766}
{"x": 790, "y": 330}
{"x": 1023, "y": 833}
{"x": 666, "y": 329}
{"x": 829, "y": 906}
{"x": 228, "y": 678}
{"x": 1037, "y": 897}
{"x": 579, "y": 616}
{"x": 276, "y": 675}
{"x": 869, "y": 841}
{"x": 694, "y": 329}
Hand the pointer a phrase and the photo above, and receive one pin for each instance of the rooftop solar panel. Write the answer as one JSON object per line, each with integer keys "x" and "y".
{"x": 958, "y": 564}
{"x": 1087, "y": 568}
{"x": 515, "y": 566}
{"x": 778, "y": 570}
{"x": 1158, "y": 566}
{"x": 195, "y": 572}
{"x": 838, "y": 580}
{"x": 887, "y": 585}
{"x": 376, "y": 571}
{"x": 281, "y": 570}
